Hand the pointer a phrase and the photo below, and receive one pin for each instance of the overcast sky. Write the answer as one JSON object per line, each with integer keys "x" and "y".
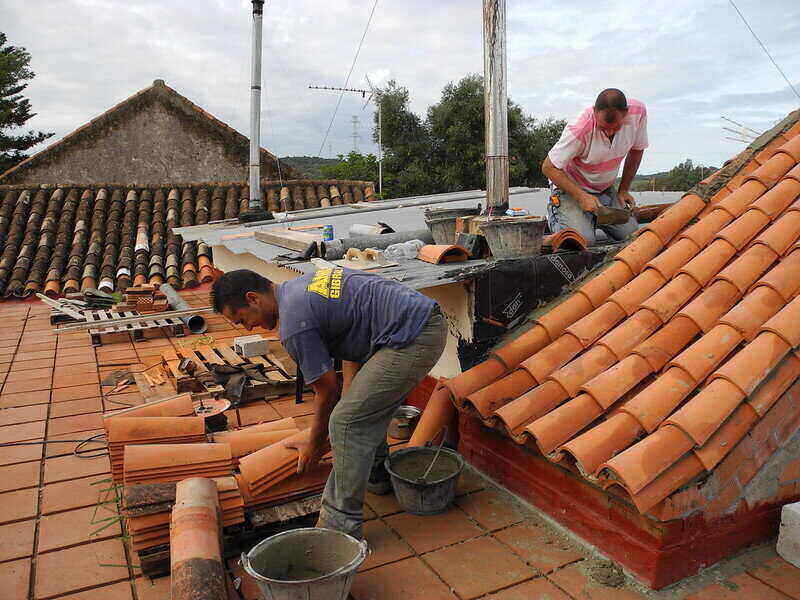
{"x": 690, "y": 61}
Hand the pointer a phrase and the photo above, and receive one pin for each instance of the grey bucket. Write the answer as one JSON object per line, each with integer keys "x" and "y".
{"x": 514, "y": 237}
{"x": 431, "y": 497}
{"x": 438, "y": 213}
{"x": 442, "y": 222}
{"x": 327, "y": 558}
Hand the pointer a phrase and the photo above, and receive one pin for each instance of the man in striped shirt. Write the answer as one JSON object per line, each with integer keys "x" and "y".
{"x": 584, "y": 163}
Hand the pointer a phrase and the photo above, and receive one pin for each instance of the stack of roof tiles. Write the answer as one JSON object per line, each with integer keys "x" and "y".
{"x": 650, "y": 373}
{"x": 255, "y": 437}
{"x": 164, "y": 463}
{"x": 148, "y": 508}
{"x": 123, "y": 432}
{"x": 66, "y": 239}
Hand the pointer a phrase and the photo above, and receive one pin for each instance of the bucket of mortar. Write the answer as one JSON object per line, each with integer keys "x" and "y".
{"x": 433, "y": 494}
{"x": 310, "y": 563}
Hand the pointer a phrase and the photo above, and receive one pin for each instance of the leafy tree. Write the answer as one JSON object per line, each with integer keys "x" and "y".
{"x": 363, "y": 167}
{"x": 309, "y": 167}
{"x": 679, "y": 179}
{"x": 445, "y": 152}
{"x": 15, "y": 110}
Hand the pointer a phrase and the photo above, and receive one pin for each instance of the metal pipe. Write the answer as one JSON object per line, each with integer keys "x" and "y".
{"x": 195, "y": 323}
{"x": 495, "y": 103}
{"x": 255, "y": 110}
{"x": 336, "y": 249}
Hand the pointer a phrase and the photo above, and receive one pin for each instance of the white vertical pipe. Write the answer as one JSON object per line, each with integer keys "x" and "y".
{"x": 380, "y": 153}
{"x": 255, "y": 109}
{"x": 495, "y": 102}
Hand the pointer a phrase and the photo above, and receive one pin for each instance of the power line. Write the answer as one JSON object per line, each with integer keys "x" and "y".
{"x": 347, "y": 80}
{"x": 765, "y": 49}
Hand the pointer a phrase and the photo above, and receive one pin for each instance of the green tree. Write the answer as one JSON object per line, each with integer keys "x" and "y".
{"x": 362, "y": 167}
{"x": 680, "y": 178}
{"x": 15, "y": 110}
{"x": 445, "y": 152}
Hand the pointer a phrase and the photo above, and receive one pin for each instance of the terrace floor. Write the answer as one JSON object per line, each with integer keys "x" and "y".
{"x": 60, "y": 536}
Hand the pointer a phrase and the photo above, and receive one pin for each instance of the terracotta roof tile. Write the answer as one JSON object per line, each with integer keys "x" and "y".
{"x": 673, "y": 258}
{"x": 596, "y": 323}
{"x": 753, "y": 364}
{"x": 564, "y": 422}
{"x": 751, "y": 313}
{"x": 726, "y": 437}
{"x": 744, "y": 270}
{"x": 499, "y": 393}
{"x": 653, "y": 404}
{"x": 566, "y": 313}
{"x": 703, "y": 414}
{"x": 531, "y": 405}
{"x": 630, "y": 333}
{"x": 598, "y": 289}
{"x": 702, "y": 232}
{"x": 640, "y": 251}
{"x": 597, "y": 445}
{"x": 741, "y": 199}
{"x": 552, "y": 357}
{"x": 670, "y": 298}
{"x": 611, "y": 385}
{"x": 630, "y": 296}
{"x": 773, "y": 170}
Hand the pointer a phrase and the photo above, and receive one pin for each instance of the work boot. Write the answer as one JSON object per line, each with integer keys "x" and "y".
{"x": 379, "y": 482}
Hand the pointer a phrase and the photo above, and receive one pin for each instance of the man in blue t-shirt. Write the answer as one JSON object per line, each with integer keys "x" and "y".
{"x": 388, "y": 337}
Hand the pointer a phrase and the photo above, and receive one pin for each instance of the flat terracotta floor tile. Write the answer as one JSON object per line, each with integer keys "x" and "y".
{"x": 76, "y": 493}
{"x": 38, "y": 355}
{"x": 491, "y": 509}
{"x": 383, "y": 505}
{"x": 408, "y": 579}
{"x": 535, "y": 589}
{"x": 156, "y": 589}
{"x": 82, "y": 342}
{"x": 31, "y": 365}
{"x": 83, "y": 378}
{"x": 18, "y": 505}
{"x": 60, "y": 445}
{"x": 385, "y": 546}
{"x": 429, "y": 533}
{"x": 90, "y": 368}
{"x": 24, "y": 414}
{"x": 24, "y": 399}
{"x": 76, "y": 393}
{"x": 288, "y": 408}
{"x": 469, "y": 481}
{"x": 32, "y": 374}
{"x": 478, "y": 567}
{"x": 575, "y": 581}
{"x": 738, "y": 587}
{"x": 74, "y": 423}
{"x": 539, "y": 546}
{"x": 779, "y": 574}
{"x": 23, "y": 452}
{"x": 19, "y": 476}
{"x": 76, "y": 407}
{"x": 115, "y": 591}
{"x": 22, "y": 432}
{"x": 248, "y": 589}
{"x": 258, "y": 412}
{"x": 114, "y": 354}
{"x": 63, "y": 468}
{"x": 80, "y": 567}
{"x": 28, "y": 385}
{"x": 17, "y": 539}
{"x": 15, "y": 579}
{"x": 36, "y": 346}
{"x": 77, "y": 527}
{"x": 70, "y": 357}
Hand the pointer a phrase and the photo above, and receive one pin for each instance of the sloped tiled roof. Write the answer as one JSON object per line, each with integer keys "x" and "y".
{"x": 646, "y": 377}
{"x": 64, "y": 239}
{"x": 161, "y": 91}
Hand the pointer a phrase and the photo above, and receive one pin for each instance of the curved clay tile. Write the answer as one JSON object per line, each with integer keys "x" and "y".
{"x": 678, "y": 475}
{"x": 640, "y": 251}
{"x": 670, "y": 222}
{"x": 533, "y": 404}
{"x": 665, "y": 343}
{"x": 285, "y": 200}
{"x": 783, "y": 234}
{"x": 589, "y": 364}
{"x": 563, "y": 422}
{"x": 125, "y": 261}
{"x": 743, "y": 271}
{"x": 438, "y": 254}
{"x": 369, "y": 193}
{"x": 324, "y": 196}
{"x": 657, "y": 401}
{"x": 711, "y": 304}
{"x": 273, "y": 199}
{"x": 598, "y": 444}
{"x": 741, "y": 199}
{"x": 244, "y": 199}
{"x": 568, "y": 239}
{"x": 347, "y": 195}
{"x": 791, "y": 147}
{"x": 598, "y": 322}
{"x": 631, "y": 295}
{"x": 672, "y": 297}
{"x": 311, "y": 197}
{"x": 499, "y": 393}
{"x": 701, "y": 416}
{"x": 22, "y": 264}
{"x": 231, "y": 203}
{"x": 217, "y": 208}
{"x": 298, "y": 199}
{"x": 552, "y": 357}
{"x": 773, "y": 170}
{"x": 727, "y": 436}
{"x": 565, "y": 314}
{"x": 786, "y": 324}
{"x": 776, "y": 200}
{"x": 704, "y": 355}
{"x": 608, "y": 387}
{"x": 471, "y": 380}
{"x": 703, "y": 267}
{"x": 335, "y": 195}
{"x": 523, "y": 346}
{"x": 80, "y": 243}
{"x": 753, "y": 311}
{"x": 358, "y": 194}
{"x": 630, "y": 333}
{"x": 113, "y": 237}
{"x": 744, "y": 229}
{"x": 782, "y": 278}
{"x": 773, "y": 388}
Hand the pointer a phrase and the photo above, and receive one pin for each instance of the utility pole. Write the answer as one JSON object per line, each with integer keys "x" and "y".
{"x": 256, "y": 210}
{"x": 495, "y": 105}
{"x": 373, "y": 93}
{"x": 355, "y": 133}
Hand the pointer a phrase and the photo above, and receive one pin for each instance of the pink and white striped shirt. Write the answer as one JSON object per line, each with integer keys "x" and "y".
{"x": 586, "y": 154}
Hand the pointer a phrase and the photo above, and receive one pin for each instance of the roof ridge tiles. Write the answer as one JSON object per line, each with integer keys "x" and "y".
{"x": 674, "y": 219}
{"x": 773, "y": 170}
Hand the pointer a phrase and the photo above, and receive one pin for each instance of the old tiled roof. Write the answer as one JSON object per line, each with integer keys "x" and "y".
{"x": 64, "y": 239}
{"x": 646, "y": 377}
{"x": 159, "y": 90}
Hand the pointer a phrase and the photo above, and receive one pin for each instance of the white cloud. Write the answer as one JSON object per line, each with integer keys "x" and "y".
{"x": 689, "y": 61}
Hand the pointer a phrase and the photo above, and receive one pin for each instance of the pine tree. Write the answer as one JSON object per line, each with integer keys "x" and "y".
{"x": 15, "y": 110}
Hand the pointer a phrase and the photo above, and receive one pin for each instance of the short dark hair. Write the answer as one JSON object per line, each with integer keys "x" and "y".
{"x": 230, "y": 289}
{"x": 611, "y": 99}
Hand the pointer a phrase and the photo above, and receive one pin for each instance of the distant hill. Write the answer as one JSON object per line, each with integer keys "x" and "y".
{"x": 309, "y": 166}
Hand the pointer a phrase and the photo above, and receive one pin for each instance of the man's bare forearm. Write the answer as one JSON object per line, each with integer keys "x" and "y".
{"x": 561, "y": 179}
{"x": 326, "y": 394}
{"x": 632, "y": 162}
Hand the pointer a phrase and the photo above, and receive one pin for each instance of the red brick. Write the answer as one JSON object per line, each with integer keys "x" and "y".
{"x": 385, "y": 545}
{"x": 18, "y": 505}
{"x": 429, "y": 533}
{"x": 539, "y": 546}
{"x": 81, "y": 567}
{"x": 79, "y": 526}
{"x": 478, "y": 567}
{"x": 726, "y": 498}
{"x": 17, "y": 539}
{"x": 535, "y": 589}
{"x": 490, "y": 509}
{"x": 729, "y": 465}
{"x": 738, "y": 587}
{"x": 409, "y": 579}
{"x": 14, "y": 579}
{"x": 19, "y": 476}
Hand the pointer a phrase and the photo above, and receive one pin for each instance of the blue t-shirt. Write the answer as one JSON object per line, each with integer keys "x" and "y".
{"x": 346, "y": 314}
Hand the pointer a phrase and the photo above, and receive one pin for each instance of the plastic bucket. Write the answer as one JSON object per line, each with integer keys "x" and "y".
{"x": 310, "y": 563}
{"x": 437, "y": 492}
{"x": 514, "y": 237}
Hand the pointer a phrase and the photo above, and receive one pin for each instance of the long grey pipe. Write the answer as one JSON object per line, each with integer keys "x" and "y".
{"x": 338, "y": 248}
{"x": 195, "y": 323}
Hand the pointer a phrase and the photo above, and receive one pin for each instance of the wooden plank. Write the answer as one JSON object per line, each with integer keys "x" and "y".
{"x": 150, "y": 392}
{"x": 292, "y": 240}
{"x": 228, "y": 354}
{"x": 208, "y": 353}
{"x": 270, "y": 371}
{"x": 280, "y": 357}
{"x": 62, "y": 306}
{"x": 192, "y": 355}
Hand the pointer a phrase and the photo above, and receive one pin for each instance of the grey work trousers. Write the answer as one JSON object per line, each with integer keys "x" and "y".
{"x": 569, "y": 213}
{"x": 359, "y": 422}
